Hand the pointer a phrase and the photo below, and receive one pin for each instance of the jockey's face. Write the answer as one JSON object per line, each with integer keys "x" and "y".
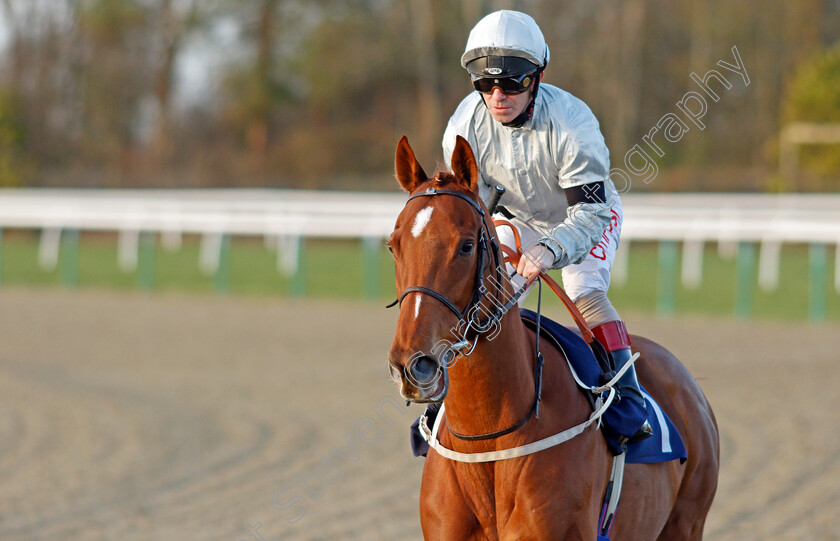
{"x": 505, "y": 107}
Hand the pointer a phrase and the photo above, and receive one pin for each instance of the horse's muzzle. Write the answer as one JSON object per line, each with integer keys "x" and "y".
{"x": 422, "y": 379}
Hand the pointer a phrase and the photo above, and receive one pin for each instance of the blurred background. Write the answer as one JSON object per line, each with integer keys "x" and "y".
{"x": 194, "y": 196}
{"x": 314, "y": 93}
{"x": 282, "y": 95}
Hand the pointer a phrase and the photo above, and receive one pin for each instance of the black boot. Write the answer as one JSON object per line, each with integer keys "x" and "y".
{"x": 628, "y": 387}
{"x": 615, "y": 339}
{"x": 418, "y": 445}
{"x": 432, "y": 411}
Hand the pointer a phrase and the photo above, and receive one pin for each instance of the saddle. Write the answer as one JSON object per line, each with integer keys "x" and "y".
{"x": 666, "y": 443}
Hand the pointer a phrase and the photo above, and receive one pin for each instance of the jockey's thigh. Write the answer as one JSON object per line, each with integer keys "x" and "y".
{"x": 591, "y": 274}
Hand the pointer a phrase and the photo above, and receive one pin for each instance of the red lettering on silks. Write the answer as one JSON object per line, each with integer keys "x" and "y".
{"x": 603, "y": 254}
{"x": 605, "y": 240}
{"x": 613, "y": 220}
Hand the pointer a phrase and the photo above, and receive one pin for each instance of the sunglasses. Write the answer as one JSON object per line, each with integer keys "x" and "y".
{"x": 509, "y": 85}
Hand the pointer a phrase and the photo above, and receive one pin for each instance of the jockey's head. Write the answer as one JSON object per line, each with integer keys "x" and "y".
{"x": 505, "y": 56}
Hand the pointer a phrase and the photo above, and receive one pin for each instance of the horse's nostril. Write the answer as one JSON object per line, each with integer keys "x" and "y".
{"x": 423, "y": 369}
{"x": 396, "y": 374}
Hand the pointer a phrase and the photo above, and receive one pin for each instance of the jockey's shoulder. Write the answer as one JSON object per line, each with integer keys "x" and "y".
{"x": 468, "y": 107}
{"x": 564, "y": 107}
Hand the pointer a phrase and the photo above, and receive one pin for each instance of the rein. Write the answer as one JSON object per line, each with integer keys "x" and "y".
{"x": 535, "y": 408}
{"x": 474, "y": 322}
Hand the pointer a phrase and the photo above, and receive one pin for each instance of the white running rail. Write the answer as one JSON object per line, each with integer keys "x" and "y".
{"x": 286, "y": 216}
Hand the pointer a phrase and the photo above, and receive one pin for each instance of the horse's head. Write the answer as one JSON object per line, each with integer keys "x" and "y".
{"x": 442, "y": 249}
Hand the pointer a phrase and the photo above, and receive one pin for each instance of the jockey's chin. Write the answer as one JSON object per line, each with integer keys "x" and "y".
{"x": 506, "y": 107}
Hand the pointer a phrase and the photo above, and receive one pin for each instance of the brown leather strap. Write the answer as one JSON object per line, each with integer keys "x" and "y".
{"x": 512, "y": 227}
{"x": 570, "y": 306}
{"x": 513, "y": 257}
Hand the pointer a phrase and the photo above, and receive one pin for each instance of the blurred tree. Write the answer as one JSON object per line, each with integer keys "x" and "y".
{"x": 317, "y": 92}
{"x": 355, "y": 96}
{"x": 425, "y": 66}
{"x": 814, "y": 96}
{"x": 258, "y": 87}
{"x": 814, "y": 93}
{"x": 115, "y": 80}
{"x": 171, "y": 24}
{"x": 13, "y": 170}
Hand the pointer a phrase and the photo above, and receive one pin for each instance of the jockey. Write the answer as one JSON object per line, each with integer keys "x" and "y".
{"x": 545, "y": 147}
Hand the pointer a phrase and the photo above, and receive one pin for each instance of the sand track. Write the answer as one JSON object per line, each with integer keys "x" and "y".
{"x": 129, "y": 416}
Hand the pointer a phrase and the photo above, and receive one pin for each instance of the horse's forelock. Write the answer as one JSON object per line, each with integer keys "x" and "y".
{"x": 443, "y": 177}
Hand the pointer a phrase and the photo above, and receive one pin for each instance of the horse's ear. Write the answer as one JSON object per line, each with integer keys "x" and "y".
{"x": 463, "y": 165}
{"x": 409, "y": 172}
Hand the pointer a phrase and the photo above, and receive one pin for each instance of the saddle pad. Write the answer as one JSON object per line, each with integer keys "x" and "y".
{"x": 665, "y": 444}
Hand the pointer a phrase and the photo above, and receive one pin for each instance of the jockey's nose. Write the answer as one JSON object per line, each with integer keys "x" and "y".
{"x": 497, "y": 95}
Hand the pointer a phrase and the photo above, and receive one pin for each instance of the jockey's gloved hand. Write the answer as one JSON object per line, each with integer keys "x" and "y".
{"x": 535, "y": 259}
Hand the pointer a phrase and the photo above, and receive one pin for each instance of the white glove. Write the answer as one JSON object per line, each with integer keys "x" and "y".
{"x": 535, "y": 260}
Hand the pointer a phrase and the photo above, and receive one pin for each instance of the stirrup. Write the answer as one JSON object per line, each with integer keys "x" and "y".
{"x": 645, "y": 431}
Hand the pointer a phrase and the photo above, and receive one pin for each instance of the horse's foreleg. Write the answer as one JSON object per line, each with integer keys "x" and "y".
{"x": 444, "y": 514}
{"x": 524, "y": 527}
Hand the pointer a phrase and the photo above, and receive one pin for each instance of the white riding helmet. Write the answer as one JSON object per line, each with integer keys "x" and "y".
{"x": 505, "y": 34}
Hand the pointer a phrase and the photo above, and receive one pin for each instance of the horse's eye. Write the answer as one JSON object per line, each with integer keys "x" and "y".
{"x": 467, "y": 247}
{"x": 388, "y": 244}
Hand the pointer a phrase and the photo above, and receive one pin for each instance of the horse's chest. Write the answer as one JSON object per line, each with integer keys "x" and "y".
{"x": 490, "y": 496}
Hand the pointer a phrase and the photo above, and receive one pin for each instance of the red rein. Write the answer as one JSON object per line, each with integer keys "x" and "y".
{"x": 514, "y": 256}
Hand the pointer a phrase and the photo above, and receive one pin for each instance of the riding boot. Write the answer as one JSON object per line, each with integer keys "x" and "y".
{"x": 613, "y": 336}
{"x": 418, "y": 445}
{"x": 432, "y": 411}
{"x": 628, "y": 387}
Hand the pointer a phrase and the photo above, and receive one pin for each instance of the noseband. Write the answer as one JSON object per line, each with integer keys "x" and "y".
{"x": 469, "y": 314}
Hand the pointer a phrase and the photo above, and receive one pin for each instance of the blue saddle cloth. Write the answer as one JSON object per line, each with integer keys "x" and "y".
{"x": 665, "y": 444}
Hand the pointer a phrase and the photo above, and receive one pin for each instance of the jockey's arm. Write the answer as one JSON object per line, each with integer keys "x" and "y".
{"x": 583, "y": 163}
{"x": 568, "y": 242}
{"x": 587, "y": 218}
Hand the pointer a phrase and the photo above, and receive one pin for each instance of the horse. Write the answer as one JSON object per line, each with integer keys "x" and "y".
{"x": 445, "y": 260}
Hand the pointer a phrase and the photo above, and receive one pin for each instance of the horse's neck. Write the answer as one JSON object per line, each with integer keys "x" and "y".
{"x": 493, "y": 388}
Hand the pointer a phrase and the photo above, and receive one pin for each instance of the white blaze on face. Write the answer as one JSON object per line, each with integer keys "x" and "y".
{"x": 417, "y": 306}
{"x": 421, "y": 220}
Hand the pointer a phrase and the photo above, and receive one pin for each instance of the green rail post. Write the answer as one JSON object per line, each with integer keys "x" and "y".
{"x": 818, "y": 275}
{"x": 70, "y": 258}
{"x": 221, "y": 280}
{"x": 297, "y": 286}
{"x": 146, "y": 260}
{"x": 370, "y": 266}
{"x": 744, "y": 279}
{"x": 666, "y": 301}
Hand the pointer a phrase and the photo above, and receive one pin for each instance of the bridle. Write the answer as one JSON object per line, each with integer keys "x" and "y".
{"x": 470, "y": 314}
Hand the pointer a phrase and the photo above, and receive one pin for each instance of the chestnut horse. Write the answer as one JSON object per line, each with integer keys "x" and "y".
{"x": 444, "y": 266}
